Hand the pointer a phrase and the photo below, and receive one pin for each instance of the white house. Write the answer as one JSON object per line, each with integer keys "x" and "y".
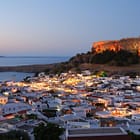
{"x": 13, "y": 108}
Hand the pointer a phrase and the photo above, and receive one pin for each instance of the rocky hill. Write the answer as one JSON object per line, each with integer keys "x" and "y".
{"x": 116, "y": 56}
{"x": 129, "y": 44}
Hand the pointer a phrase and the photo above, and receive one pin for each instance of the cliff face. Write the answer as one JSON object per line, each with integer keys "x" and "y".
{"x": 130, "y": 44}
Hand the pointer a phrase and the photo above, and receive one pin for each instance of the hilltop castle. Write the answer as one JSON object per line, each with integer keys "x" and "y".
{"x": 129, "y": 44}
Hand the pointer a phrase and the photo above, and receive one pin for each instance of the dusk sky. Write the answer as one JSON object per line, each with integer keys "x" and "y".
{"x": 64, "y": 27}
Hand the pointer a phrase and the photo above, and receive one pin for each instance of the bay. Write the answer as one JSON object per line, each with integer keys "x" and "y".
{"x": 19, "y": 61}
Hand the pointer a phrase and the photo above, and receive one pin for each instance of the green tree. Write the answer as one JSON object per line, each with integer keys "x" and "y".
{"x": 14, "y": 135}
{"x": 49, "y": 132}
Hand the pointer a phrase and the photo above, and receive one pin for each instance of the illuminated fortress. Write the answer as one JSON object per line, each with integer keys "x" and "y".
{"x": 129, "y": 44}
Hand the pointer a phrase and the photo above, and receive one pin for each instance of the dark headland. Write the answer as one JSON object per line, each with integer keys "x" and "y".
{"x": 26, "y": 68}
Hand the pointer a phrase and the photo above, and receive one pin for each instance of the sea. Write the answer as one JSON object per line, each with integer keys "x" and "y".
{"x": 25, "y": 60}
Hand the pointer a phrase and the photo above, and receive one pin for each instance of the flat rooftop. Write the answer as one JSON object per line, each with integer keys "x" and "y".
{"x": 102, "y": 131}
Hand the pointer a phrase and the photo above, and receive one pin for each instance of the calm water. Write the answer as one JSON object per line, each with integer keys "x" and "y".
{"x": 17, "y": 61}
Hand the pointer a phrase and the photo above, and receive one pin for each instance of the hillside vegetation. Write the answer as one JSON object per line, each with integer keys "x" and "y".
{"x": 110, "y": 58}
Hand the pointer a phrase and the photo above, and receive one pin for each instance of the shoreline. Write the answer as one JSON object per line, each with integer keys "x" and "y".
{"x": 27, "y": 68}
{"x": 94, "y": 67}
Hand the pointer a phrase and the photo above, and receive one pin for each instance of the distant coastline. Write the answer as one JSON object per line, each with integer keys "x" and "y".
{"x": 34, "y": 56}
{"x": 26, "y": 68}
